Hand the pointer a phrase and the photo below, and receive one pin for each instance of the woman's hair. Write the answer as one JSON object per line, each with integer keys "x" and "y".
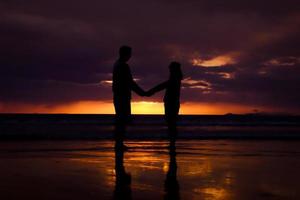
{"x": 124, "y": 50}
{"x": 175, "y": 70}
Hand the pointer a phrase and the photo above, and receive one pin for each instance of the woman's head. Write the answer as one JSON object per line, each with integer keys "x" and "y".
{"x": 175, "y": 70}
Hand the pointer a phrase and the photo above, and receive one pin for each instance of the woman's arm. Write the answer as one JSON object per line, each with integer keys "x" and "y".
{"x": 158, "y": 88}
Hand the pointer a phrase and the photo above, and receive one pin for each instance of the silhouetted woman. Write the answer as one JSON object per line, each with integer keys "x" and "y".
{"x": 172, "y": 95}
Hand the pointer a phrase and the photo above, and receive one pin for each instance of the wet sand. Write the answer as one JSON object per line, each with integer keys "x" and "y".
{"x": 195, "y": 169}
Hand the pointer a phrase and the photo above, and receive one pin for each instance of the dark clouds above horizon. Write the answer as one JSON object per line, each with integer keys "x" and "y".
{"x": 56, "y": 52}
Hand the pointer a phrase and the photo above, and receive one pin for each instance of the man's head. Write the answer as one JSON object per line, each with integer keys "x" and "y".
{"x": 125, "y": 53}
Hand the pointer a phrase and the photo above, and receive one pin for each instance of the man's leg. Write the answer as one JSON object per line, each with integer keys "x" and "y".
{"x": 122, "y": 109}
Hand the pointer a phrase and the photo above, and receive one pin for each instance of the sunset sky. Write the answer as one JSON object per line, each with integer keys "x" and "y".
{"x": 237, "y": 56}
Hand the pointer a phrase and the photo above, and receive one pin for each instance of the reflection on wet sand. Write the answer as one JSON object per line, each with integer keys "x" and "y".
{"x": 123, "y": 179}
{"x": 171, "y": 182}
{"x": 212, "y": 170}
{"x": 165, "y": 169}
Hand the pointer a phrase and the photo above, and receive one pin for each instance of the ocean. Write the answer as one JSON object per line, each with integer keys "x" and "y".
{"x": 94, "y": 126}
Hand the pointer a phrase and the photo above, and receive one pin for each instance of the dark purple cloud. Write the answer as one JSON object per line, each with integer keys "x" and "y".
{"x": 59, "y": 51}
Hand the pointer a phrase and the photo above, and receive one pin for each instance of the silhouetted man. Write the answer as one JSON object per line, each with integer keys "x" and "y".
{"x": 123, "y": 83}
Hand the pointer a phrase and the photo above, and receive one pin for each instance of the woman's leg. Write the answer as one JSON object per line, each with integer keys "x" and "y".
{"x": 171, "y": 114}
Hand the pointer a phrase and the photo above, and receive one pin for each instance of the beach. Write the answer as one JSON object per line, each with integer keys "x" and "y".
{"x": 200, "y": 169}
{"x": 150, "y": 100}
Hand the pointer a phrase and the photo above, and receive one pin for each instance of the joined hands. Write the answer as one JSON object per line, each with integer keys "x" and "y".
{"x": 148, "y": 93}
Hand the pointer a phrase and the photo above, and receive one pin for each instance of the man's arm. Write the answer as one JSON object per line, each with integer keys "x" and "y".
{"x": 134, "y": 85}
{"x": 137, "y": 89}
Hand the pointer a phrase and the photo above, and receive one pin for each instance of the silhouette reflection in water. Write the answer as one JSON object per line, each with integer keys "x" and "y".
{"x": 123, "y": 179}
{"x": 171, "y": 184}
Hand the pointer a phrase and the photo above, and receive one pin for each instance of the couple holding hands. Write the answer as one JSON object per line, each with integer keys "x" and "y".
{"x": 123, "y": 84}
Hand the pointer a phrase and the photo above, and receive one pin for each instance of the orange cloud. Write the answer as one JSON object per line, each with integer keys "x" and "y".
{"x": 216, "y": 61}
{"x": 202, "y": 84}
